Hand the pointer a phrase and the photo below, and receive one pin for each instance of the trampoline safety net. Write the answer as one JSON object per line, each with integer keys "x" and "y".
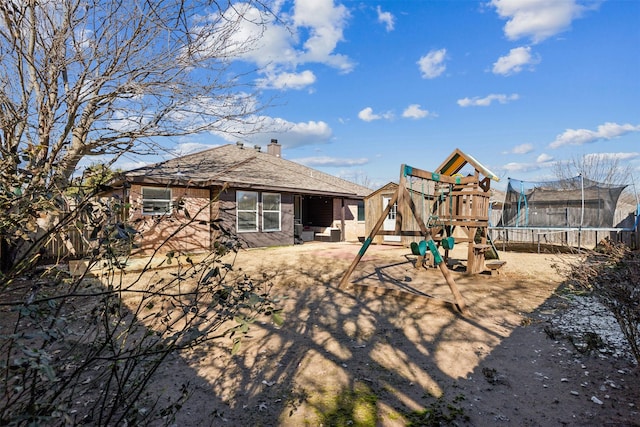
{"x": 573, "y": 202}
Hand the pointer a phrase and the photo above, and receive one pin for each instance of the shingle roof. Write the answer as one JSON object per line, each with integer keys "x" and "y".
{"x": 244, "y": 167}
{"x": 390, "y": 186}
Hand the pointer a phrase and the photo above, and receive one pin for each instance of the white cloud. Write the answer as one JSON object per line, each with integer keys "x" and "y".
{"x": 289, "y": 134}
{"x": 584, "y": 136}
{"x": 522, "y": 149}
{"x": 319, "y": 129}
{"x": 325, "y": 23}
{"x": 432, "y": 64}
{"x": 288, "y": 80}
{"x": 537, "y": 19}
{"x": 521, "y": 167}
{"x": 331, "y": 161}
{"x": 414, "y": 111}
{"x": 303, "y": 133}
{"x": 250, "y": 40}
{"x": 309, "y": 33}
{"x": 129, "y": 165}
{"x": 185, "y": 148}
{"x": 206, "y": 112}
{"x": 386, "y": 18}
{"x": 542, "y": 161}
{"x": 368, "y": 115}
{"x": 544, "y": 158}
{"x": 487, "y": 100}
{"x": 514, "y": 62}
{"x": 613, "y": 156}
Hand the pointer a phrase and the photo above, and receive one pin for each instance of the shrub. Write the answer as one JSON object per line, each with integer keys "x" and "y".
{"x": 612, "y": 274}
{"x": 81, "y": 349}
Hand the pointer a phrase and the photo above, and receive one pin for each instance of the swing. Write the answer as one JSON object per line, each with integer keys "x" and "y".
{"x": 422, "y": 247}
{"x": 448, "y": 242}
{"x": 418, "y": 248}
{"x": 404, "y": 194}
{"x": 415, "y": 250}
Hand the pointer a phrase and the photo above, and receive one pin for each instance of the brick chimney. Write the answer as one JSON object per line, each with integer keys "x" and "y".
{"x": 274, "y": 148}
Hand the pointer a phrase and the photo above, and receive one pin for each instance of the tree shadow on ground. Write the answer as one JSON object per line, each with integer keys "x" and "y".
{"x": 354, "y": 354}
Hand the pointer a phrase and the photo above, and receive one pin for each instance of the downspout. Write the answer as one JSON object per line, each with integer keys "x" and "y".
{"x": 211, "y": 211}
{"x": 342, "y": 221}
{"x": 214, "y": 210}
{"x": 126, "y": 185}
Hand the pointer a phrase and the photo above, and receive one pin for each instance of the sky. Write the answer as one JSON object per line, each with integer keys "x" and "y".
{"x": 361, "y": 87}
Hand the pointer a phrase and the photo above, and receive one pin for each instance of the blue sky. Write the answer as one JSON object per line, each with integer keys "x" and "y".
{"x": 362, "y": 87}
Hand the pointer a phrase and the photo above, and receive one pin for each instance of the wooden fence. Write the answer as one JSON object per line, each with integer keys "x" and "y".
{"x": 71, "y": 245}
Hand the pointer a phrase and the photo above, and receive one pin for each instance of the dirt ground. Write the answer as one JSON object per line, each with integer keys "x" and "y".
{"x": 384, "y": 350}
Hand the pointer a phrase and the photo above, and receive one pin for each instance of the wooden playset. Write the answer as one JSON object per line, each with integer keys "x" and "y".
{"x": 429, "y": 206}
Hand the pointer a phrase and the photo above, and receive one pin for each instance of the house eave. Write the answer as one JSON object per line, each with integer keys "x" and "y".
{"x": 170, "y": 181}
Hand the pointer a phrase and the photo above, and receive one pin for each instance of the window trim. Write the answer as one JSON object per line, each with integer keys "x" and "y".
{"x": 168, "y": 201}
{"x": 279, "y": 212}
{"x": 393, "y": 212}
{"x": 238, "y": 211}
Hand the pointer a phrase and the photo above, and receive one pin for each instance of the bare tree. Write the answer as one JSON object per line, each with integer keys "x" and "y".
{"x": 81, "y": 78}
{"x": 601, "y": 168}
{"x": 596, "y": 167}
{"x": 87, "y": 78}
{"x": 363, "y": 179}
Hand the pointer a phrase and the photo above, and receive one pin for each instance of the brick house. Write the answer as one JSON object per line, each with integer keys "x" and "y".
{"x": 263, "y": 198}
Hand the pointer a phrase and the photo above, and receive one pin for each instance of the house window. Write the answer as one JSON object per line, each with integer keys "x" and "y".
{"x": 361, "y": 210}
{"x": 156, "y": 201}
{"x": 270, "y": 212}
{"x": 247, "y": 207}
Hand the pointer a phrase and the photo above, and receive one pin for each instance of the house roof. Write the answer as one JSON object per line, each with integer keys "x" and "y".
{"x": 244, "y": 167}
{"x": 457, "y": 160}
{"x": 390, "y": 186}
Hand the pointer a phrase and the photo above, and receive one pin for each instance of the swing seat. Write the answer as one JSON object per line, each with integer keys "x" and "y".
{"x": 419, "y": 248}
{"x": 422, "y": 247}
{"x": 414, "y": 248}
{"x": 448, "y": 242}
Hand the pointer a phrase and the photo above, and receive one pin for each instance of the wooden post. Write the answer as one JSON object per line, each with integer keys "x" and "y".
{"x": 471, "y": 250}
{"x": 453, "y": 287}
{"x": 400, "y": 210}
{"x": 368, "y": 240}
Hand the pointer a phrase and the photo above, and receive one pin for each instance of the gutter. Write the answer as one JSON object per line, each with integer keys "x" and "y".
{"x": 239, "y": 185}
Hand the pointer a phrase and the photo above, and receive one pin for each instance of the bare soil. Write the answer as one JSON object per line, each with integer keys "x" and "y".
{"x": 386, "y": 350}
